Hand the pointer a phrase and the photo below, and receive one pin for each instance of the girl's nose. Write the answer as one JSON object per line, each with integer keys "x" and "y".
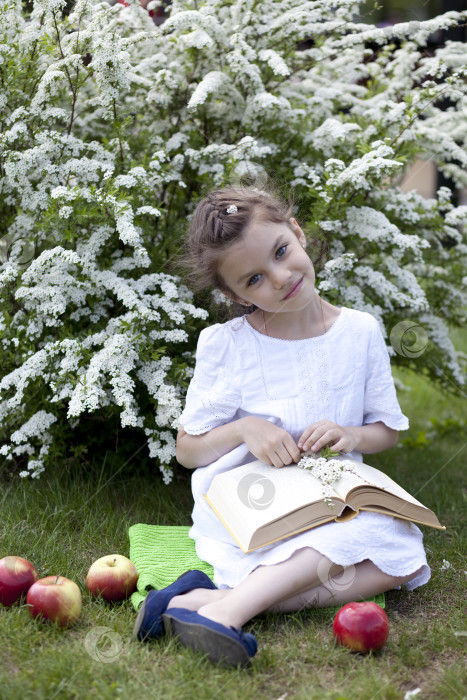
{"x": 281, "y": 279}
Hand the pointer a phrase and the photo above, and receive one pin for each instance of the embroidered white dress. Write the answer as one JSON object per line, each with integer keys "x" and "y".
{"x": 344, "y": 376}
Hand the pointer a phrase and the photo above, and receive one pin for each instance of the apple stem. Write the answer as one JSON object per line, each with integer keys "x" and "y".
{"x": 57, "y": 578}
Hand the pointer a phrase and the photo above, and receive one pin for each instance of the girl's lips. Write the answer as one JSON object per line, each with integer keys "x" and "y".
{"x": 294, "y": 290}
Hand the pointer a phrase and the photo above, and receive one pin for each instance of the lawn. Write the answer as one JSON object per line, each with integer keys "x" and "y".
{"x": 66, "y": 520}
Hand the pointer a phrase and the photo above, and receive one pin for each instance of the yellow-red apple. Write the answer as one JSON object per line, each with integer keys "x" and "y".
{"x": 113, "y": 577}
{"x": 55, "y": 598}
{"x": 16, "y": 577}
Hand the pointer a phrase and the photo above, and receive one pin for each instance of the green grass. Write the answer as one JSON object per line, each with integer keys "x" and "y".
{"x": 66, "y": 520}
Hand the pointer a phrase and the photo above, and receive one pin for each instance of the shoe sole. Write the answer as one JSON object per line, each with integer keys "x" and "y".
{"x": 139, "y": 623}
{"x": 219, "y": 648}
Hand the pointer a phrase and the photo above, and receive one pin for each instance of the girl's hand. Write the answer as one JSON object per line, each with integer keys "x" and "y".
{"x": 325, "y": 432}
{"x": 269, "y": 443}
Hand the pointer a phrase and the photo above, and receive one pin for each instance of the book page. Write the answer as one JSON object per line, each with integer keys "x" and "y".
{"x": 259, "y": 493}
{"x": 375, "y": 478}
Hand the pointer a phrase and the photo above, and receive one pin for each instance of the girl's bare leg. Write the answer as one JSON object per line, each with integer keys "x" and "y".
{"x": 306, "y": 579}
{"x": 265, "y": 586}
{"x": 196, "y": 598}
{"x": 355, "y": 583}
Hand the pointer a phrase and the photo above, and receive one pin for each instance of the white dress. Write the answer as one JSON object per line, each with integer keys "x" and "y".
{"x": 344, "y": 376}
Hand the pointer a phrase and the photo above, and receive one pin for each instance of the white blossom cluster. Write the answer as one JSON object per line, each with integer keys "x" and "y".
{"x": 327, "y": 471}
{"x": 111, "y": 128}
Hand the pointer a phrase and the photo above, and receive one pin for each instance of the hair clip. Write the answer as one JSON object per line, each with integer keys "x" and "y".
{"x": 231, "y": 209}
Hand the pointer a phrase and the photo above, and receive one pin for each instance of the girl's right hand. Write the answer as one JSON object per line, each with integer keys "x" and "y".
{"x": 269, "y": 443}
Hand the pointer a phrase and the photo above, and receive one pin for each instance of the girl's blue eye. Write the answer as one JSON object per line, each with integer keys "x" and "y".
{"x": 250, "y": 281}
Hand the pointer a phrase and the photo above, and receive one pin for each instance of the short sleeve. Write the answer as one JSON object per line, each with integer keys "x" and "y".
{"x": 214, "y": 394}
{"x": 380, "y": 402}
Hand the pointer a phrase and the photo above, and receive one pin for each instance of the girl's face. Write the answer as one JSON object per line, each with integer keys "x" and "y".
{"x": 270, "y": 268}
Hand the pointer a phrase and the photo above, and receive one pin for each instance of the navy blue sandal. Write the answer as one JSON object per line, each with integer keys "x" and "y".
{"x": 148, "y": 624}
{"x": 227, "y": 646}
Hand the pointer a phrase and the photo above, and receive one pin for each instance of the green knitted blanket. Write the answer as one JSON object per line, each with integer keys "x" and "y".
{"x": 162, "y": 553}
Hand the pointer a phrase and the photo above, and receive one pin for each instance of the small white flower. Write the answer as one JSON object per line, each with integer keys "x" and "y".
{"x": 327, "y": 471}
{"x": 231, "y": 209}
{"x": 65, "y": 212}
{"x": 220, "y": 298}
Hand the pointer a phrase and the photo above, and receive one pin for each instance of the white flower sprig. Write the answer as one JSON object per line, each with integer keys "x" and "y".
{"x": 327, "y": 470}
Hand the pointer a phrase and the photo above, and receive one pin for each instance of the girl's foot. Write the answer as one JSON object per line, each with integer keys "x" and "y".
{"x": 225, "y": 645}
{"x": 219, "y": 614}
{"x": 149, "y": 623}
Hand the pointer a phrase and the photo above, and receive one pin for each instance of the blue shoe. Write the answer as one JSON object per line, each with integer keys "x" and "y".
{"x": 148, "y": 624}
{"x": 225, "y": 645}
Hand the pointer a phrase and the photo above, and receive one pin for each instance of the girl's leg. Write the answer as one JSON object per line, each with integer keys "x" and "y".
{"x": 339, "y": 585}
{"x": 196, "y": 598}
{"x": 306, "y": 572}
{"x": 355, "y": 583}
{"x": 266, "y": 586}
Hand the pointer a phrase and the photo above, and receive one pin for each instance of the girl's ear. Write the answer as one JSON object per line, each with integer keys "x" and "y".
{"x": 298, "y": 232}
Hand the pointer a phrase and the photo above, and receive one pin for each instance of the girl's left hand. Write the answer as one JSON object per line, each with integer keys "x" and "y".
{"x": 325, "y": 432}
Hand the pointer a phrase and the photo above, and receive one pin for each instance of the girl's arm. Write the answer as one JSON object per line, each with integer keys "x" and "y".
{"x": 195, "y": 451}
{"x": 373, "y": 437}
{"x": 266, "y": 441}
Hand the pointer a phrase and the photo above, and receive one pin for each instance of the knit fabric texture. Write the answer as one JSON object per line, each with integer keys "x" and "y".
{"x": 162, "y": 553}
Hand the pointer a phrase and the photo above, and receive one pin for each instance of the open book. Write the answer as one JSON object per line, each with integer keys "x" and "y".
{"x": 259, "y": 504}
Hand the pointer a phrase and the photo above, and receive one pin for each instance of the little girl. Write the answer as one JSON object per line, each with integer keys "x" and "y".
{"x": 293, "y": 373}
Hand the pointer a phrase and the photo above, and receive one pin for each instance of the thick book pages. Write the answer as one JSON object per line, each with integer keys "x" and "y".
{"x": 259, "y": 504}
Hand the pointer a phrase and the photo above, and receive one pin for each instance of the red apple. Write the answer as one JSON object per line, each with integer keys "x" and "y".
{"x": 361, "y": 626}
{"x": 16, "y": 576}
{"x": 55, "y": 598}
{"x": 113, "y": 577}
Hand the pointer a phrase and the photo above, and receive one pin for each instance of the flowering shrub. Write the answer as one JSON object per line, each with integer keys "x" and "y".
{"x": 112, "y": 128}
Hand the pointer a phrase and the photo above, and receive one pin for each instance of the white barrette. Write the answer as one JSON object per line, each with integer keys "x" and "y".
{"x": 231, "y": 209}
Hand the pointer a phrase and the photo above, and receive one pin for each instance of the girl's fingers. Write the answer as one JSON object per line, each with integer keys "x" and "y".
{"x": 306, "y": 439}
{"x": 323, "y": 433}
{"x": 284, "y": 457}
{"x": 278, "y": 460}
{"x": 313, "y": 439}
{"x": 338, "y": 446}
{"x": 327, "y": 439}
{"x": 313, "y": 433}
{"x": 285, "y": 454}
{"x": 294, "y": 452}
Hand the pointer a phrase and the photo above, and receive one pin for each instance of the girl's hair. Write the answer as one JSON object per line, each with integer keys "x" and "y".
{"x": 213, "y": 230}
